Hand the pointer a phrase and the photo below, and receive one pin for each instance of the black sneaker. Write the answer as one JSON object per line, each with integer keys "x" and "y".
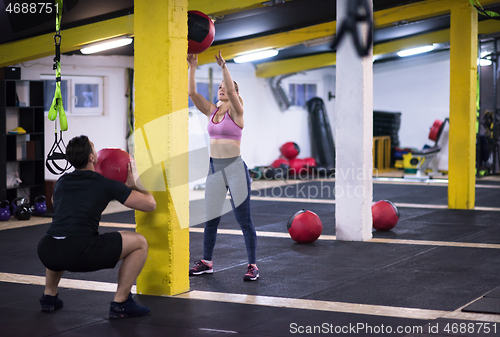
{"x": 50, "y": 303}
{"x": 129, "y": 308}
{"x": 201, "y": 267}
{"x": 252, "y": 273}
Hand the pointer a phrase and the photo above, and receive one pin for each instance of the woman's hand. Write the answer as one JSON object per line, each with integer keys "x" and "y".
{"x": 220, "y": 60}
{"x": 192, "y": 60}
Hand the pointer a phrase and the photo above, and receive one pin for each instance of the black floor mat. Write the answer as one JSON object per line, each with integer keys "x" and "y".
{"x": 485, "y": 305}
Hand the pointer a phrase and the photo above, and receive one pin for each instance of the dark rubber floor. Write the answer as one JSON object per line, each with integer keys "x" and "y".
{"x": 383, "y": 274}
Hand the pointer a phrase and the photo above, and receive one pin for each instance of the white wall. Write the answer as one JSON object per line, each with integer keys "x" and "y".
{"x": 266, "y": 126}
{"x": 108, "y": 130}
{"x": 419, "y": 88}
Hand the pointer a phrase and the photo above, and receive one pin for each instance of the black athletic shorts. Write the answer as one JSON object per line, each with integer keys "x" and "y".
{"x": 81, "y": 253}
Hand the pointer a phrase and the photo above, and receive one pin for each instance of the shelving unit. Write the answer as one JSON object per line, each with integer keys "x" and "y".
{"x": 22, "y": 157}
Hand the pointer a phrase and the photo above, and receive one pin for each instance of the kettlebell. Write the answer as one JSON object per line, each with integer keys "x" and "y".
{"x": 40, "y": 204}
{"x": 23, "y": 211}
{"x": 13, "y": 207}
{"x": 4, "y": 210}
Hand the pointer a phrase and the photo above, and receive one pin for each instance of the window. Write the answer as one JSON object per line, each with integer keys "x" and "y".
{"x": 82, "y": 95}
{"x": 202, "y": 88}
{"x": 299, "y": 94}
{"x": 86, "y": 95}
{"x": 49, "y": 88}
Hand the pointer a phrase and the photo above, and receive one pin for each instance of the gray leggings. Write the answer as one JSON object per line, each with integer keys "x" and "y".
{"x": 232, "y": 174}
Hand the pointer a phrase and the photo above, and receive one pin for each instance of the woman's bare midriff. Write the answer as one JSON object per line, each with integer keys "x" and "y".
{"x": 224, "y": 148}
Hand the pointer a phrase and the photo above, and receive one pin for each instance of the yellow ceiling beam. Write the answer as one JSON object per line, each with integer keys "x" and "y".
{"x": 72, "y": 39}
{"x": 270, "y": 69}
{"x": 275, "y": 41}
{"x": 222, "y": 7}
{"x": 440, "y": 36}
{"x": 40, "y": 46}
{"x": 417, "y": 11}
{"x": 411, "y": 12}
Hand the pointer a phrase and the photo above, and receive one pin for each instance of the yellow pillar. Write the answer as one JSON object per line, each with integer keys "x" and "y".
{"x": 462, "y": 138}
{"x": 161, "y": 142}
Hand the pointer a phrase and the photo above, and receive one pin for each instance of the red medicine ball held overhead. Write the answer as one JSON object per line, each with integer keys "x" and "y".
{"x": 305, "y": 226}
{"x": 385, "y": 215}
{"x": 113, "y": 164}
{"x": 290, "y": 150}
{"x": 201, "y": 32}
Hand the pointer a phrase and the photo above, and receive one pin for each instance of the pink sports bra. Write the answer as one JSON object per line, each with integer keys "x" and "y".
{"x": 225, "y": 129}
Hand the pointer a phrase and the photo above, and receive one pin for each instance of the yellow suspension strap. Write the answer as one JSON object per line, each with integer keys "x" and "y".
{"x": 481, "y": 10}
{"x": 57, "y": 152}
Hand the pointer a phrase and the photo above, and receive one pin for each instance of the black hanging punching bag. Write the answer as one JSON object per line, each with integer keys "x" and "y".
{"x": 323, "y": 148}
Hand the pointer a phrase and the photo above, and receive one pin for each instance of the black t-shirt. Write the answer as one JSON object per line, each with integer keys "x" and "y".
{"x": 80, "y": 197}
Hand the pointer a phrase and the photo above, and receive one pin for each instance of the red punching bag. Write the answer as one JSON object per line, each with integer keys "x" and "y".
{"x": 385, "y": 215}
{"x": 113, "y": 164}
{"x": 305, "y": 226}
{"x": 201, "y": 32}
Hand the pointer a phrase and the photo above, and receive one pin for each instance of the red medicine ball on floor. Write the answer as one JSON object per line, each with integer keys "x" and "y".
{"x": 297, "y": 166}
{"x": 113, "y": 164}
{"x": 290, "y": 150}
{"x": 305, "y": 226}
{"x": 310, "y": 163}
{"x": 201, "y": 32}
{"x": 278, "y": 162}
{"x": 385, "y": 215}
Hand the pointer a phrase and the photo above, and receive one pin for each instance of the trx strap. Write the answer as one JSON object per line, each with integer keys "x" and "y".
{"x": 57, "y": 152}
{"x": 478, "y": 99}
{"x": 481, "y": 10}
{"x": 357, "y": 11}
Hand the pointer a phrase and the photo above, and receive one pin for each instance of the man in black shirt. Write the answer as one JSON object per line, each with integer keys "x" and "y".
{"x": 73, "y": 242}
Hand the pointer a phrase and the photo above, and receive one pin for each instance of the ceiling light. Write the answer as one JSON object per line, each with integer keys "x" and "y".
{"x": 414, "y": 51}
{"x": 109, "y": 44}
{"x": 485, "y": 59}
{"x": 256, "y": 56}
{"x": 485, "y": 62}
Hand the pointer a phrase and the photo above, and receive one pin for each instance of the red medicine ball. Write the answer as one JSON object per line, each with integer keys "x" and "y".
{"x": 310, "y": 163}
{"x": 297, "y": 166}
{"x": 385, "y": 215}
{"x": 290, "y": 150}
{"x": 278, "y": 162}
{"x": 113, "y": 164}
{"x": 201, "y": 32}
{"x": 305, "y": 226}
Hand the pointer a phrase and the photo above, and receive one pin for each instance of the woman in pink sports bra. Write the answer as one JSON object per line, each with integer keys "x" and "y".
{"x": 227, "y": 168}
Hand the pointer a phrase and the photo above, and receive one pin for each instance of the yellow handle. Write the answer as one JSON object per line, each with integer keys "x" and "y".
{"x": 62, "y": 119}
{"x": 53, "y": 109}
